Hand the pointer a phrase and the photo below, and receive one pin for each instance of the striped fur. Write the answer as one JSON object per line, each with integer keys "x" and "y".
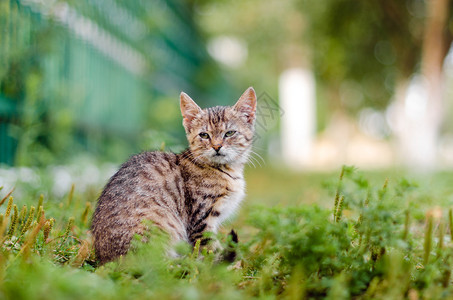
{"x": 184, "y": 194}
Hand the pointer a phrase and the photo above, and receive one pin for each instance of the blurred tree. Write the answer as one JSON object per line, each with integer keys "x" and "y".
{"x": 437, "y": 41}
{"x": 371, "y": 43}
{"x": 379, "y": 45}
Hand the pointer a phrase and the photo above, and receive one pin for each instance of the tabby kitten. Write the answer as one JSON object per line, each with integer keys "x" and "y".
{"x": 184, "y": 194}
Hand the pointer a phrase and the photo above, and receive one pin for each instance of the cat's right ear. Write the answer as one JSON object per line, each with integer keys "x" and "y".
{"x": 189, "y": 109}
{"x": 247, "y": 104}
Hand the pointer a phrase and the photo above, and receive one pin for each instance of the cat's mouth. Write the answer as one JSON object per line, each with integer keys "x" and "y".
{"x": 219, "y": 154}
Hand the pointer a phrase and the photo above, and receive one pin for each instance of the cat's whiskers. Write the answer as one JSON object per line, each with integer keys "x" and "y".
{"x": 256, "y": 154}
{"x": 251, "y": 157}
{"x": 248, "y": 159}
{"x": 253, "y": 160}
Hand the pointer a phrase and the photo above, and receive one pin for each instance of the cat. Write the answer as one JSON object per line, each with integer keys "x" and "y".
{"x": 183, "y": 194}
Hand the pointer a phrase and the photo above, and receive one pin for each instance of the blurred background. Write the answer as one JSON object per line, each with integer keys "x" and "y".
{"x": 366, "y": 83}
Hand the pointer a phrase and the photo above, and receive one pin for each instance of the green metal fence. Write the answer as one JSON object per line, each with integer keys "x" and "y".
{"x": 90, "y": 68}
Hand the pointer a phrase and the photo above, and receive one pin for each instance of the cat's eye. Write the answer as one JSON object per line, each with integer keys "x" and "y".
{"x": 230, "y": 133}
{"x": 204, "y": 135}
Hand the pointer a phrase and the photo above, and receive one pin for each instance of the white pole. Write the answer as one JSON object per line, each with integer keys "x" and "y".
{"x": 298, "y": 128}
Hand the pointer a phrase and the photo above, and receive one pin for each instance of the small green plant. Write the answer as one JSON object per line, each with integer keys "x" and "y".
{"x": 27, "y": 232}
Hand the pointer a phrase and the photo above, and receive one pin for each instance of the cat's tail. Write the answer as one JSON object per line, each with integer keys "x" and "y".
{"x": 229, "y": 253}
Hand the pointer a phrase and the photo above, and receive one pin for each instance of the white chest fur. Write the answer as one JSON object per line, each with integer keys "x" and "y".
{"x": 229, "y": 204}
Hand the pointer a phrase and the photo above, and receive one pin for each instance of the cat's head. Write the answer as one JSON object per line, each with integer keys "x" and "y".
{"x": 222, "y": 134}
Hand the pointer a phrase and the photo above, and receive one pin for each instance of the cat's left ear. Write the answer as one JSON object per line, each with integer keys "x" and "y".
{"x": 247, "y": 104}
{"x": 189, "y": 109}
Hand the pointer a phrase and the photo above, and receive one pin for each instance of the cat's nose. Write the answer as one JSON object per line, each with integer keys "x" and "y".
{"x": 216, "y": 147}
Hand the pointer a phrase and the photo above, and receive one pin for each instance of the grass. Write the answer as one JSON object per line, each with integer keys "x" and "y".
{"x": 337, "y": 236}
